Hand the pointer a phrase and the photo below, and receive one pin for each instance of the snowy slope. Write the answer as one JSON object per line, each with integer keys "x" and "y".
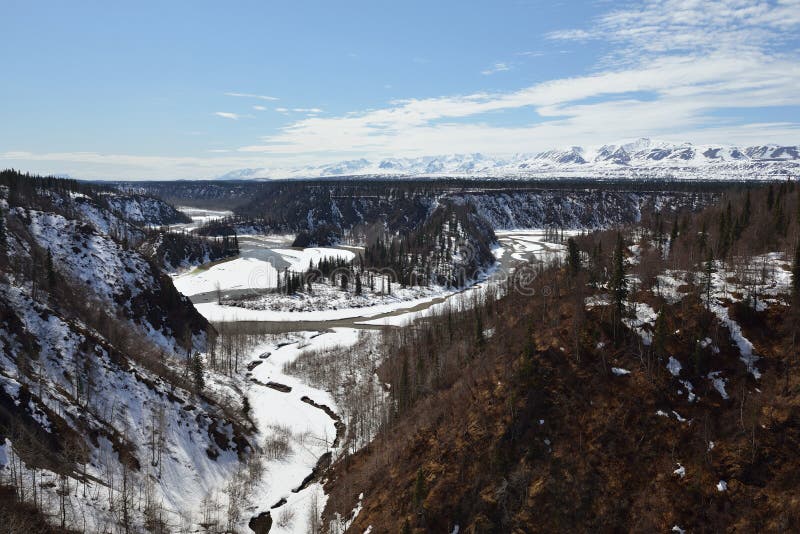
{"x": 96, "y": 407}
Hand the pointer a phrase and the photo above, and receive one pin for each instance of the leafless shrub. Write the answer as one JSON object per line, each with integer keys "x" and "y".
{"x": 277, "y": 446}
{"x": 285, "y": 517}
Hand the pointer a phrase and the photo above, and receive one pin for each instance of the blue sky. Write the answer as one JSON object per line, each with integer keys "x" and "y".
{"x": 195, "y": 89}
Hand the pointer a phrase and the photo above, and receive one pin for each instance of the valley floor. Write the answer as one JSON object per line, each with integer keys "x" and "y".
{"x": 299, "y": 424}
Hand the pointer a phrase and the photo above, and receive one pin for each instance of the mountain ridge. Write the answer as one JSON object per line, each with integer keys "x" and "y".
{"x": 643, "y": 157}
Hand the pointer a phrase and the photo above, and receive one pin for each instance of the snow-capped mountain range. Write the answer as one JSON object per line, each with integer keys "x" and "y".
{"x": 642, "y": 158}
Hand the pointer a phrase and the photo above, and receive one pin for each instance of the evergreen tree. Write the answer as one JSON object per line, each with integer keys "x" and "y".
{"x": 724, "y": 234}
{"x": 673, "y": 235}
{"x": 480, "y": 339}
{"x": 198, "y": 372}
{"x": 358, "y": 283}
{"x": 619, "y": 284}
{"x": 698, "y": 359}
{"x": 419, "y": 489}
{"x": 770, "y": 198}
{"x": 3, "y": 241}
{"x": 660, "y": 335}
{"x": 780, "y": 222}
{"x": 573, "y": 256}
{"x": 51, "y": 272}
{"x": 708, "y": 279}
{"x": 796, "y": 275}
{"x": 702, "y": 241}
{"x": 746, "y": 211}
{"x": 404, "y": 391}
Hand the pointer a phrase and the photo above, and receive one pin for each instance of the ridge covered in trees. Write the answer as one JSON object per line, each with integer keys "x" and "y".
{"x": 559, "y": 409}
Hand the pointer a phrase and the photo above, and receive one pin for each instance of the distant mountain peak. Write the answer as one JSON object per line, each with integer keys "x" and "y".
{"x": 641, "y": 157}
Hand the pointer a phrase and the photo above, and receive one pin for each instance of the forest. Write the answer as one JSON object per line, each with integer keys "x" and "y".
{"x": 646, "y": 380}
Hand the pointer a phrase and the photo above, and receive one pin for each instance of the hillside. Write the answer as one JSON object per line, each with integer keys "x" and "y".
{"x": 646, "y": 382}
{"x": 332, "y": 209}
{"x": 103, "y": 411}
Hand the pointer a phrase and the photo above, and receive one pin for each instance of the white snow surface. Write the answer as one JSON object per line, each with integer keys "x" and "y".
{"x": 680, "y": 471}
{"x": 674, "y": 366}
{"x": 311, "y": 431}
{"x": 239, "y": 273}
{"x": 642, "y": 322}
{"x": 719, "y": 383}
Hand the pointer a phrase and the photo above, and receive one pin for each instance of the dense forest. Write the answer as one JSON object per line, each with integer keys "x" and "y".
{"x": 233, "y": 193}
{"x": 324, "y": 212}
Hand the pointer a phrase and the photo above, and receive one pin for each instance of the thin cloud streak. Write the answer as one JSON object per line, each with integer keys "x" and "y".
{"x": 497, "y": 67}
{"x": 251, "y": 95}
{"x": 228, "y": 115}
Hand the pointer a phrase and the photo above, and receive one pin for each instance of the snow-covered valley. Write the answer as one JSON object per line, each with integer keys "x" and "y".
{"x": 301, "y": 418}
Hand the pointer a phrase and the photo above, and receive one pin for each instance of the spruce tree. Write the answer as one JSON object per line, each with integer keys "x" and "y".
{"x": 709, "y": 279}
{"x": 698, "y": 359}
{"x": 480, "y": 339}
{"x": 573, "y": 256}
{"x": 3, "y": 241}
{"x": 619, "y": 284}
{"x": 770, "y": 198}
{"x": 198, "y": 373}
{"x": 358, "y": 283}
{"x": 796, "y": 275}
{"x": 746, "y": 211}
{"x": 419, "y": 489}
{"x": 51, "y": 272}
{"x": 660, "y": 335}
{"x": 702, "y": 241}
{"x": 673, "y": 235}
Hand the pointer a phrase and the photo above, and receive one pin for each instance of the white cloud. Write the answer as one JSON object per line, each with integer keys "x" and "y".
{"x": 675, "y": 64}
{"x": 497, "y": 67}
{"x": 228, "y": 115}
{"x": 569, "y": 35}
{"x": 259, "y": 108}
{"x": 671, "y": 95}
{"x": 307, "y": 110}
{"x": 689, "y": 26}
{"x": 251, "y": 95}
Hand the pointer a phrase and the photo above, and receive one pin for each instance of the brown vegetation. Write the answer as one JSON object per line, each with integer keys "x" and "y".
{"x": 529, "y": 430}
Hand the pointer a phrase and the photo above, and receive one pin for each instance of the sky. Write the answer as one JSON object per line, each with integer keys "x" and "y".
{"x": 195, "y": 89}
